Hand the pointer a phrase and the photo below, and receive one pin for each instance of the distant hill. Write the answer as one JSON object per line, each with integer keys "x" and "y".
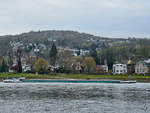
{"x": 72, "y": 36}
{"x": 71, "y": 39}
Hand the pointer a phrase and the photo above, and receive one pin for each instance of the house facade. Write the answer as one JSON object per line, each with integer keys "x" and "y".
{"x": 141, "y": 67}
{"x": 26, "y": 68}
{"x": 101, "y": 68}
{"x": 119, "y": 68}
{"x": 105, "y": 68}
{"x": 13, "y": 68}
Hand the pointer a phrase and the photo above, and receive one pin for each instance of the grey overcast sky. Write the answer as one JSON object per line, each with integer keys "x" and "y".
{"x": 110, "y": 18}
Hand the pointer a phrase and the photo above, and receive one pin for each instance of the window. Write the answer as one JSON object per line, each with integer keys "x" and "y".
{"x": 143, "y": 70}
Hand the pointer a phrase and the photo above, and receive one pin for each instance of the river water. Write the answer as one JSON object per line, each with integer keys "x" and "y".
{"x": 74, "y": 98}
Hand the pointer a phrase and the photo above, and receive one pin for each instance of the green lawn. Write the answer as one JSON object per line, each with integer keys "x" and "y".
{"x": 76, "y": 76}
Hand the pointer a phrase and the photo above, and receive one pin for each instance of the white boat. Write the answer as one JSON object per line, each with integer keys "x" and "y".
{"x": 132, "y": 81}
{"x": 22, "y": 78}
{"x": 13, "y": 80}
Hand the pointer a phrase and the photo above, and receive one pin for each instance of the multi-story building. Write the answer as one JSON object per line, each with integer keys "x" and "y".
{"x": 119, "y": 68}
{"x": 142, "y": 67}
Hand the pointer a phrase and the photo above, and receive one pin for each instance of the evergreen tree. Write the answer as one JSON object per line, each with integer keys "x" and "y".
{"x": 53, "y": 54}
{"x": 4, "y": 66}
{"x": 110, "y": 58}
{"x": 19, "y": 66}
{"x": 93, "y": 53}
{"x": 10, "y": 57}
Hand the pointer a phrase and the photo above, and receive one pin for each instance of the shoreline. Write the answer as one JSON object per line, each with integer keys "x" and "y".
{"x": 68, "y": 79}
{"x": 138, "y": 78}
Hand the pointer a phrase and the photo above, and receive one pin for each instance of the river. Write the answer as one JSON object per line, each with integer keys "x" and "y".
{"x": 74, "y": 98}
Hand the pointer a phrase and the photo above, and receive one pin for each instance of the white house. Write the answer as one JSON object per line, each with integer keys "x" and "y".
{"x": 141, "y": 67}
{"x": 105, "y": 67}
{"x": 84, "y": 52}
{"x": 119, "y": 68}
{"x": 26, "y": 68}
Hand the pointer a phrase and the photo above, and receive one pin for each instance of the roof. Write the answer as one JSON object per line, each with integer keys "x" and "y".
{"x": 130, "y": 62}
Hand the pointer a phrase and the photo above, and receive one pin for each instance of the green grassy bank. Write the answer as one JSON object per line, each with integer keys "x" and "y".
{"x": 139, "y": 78}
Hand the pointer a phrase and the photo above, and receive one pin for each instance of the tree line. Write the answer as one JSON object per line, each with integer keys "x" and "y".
{"x": 65, "y": 62}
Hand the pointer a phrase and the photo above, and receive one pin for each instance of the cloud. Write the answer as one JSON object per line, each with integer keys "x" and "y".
{"x": 112, "y": 18}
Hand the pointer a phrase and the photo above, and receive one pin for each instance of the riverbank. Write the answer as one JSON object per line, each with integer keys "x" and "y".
{"x": 138, "y": 78}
